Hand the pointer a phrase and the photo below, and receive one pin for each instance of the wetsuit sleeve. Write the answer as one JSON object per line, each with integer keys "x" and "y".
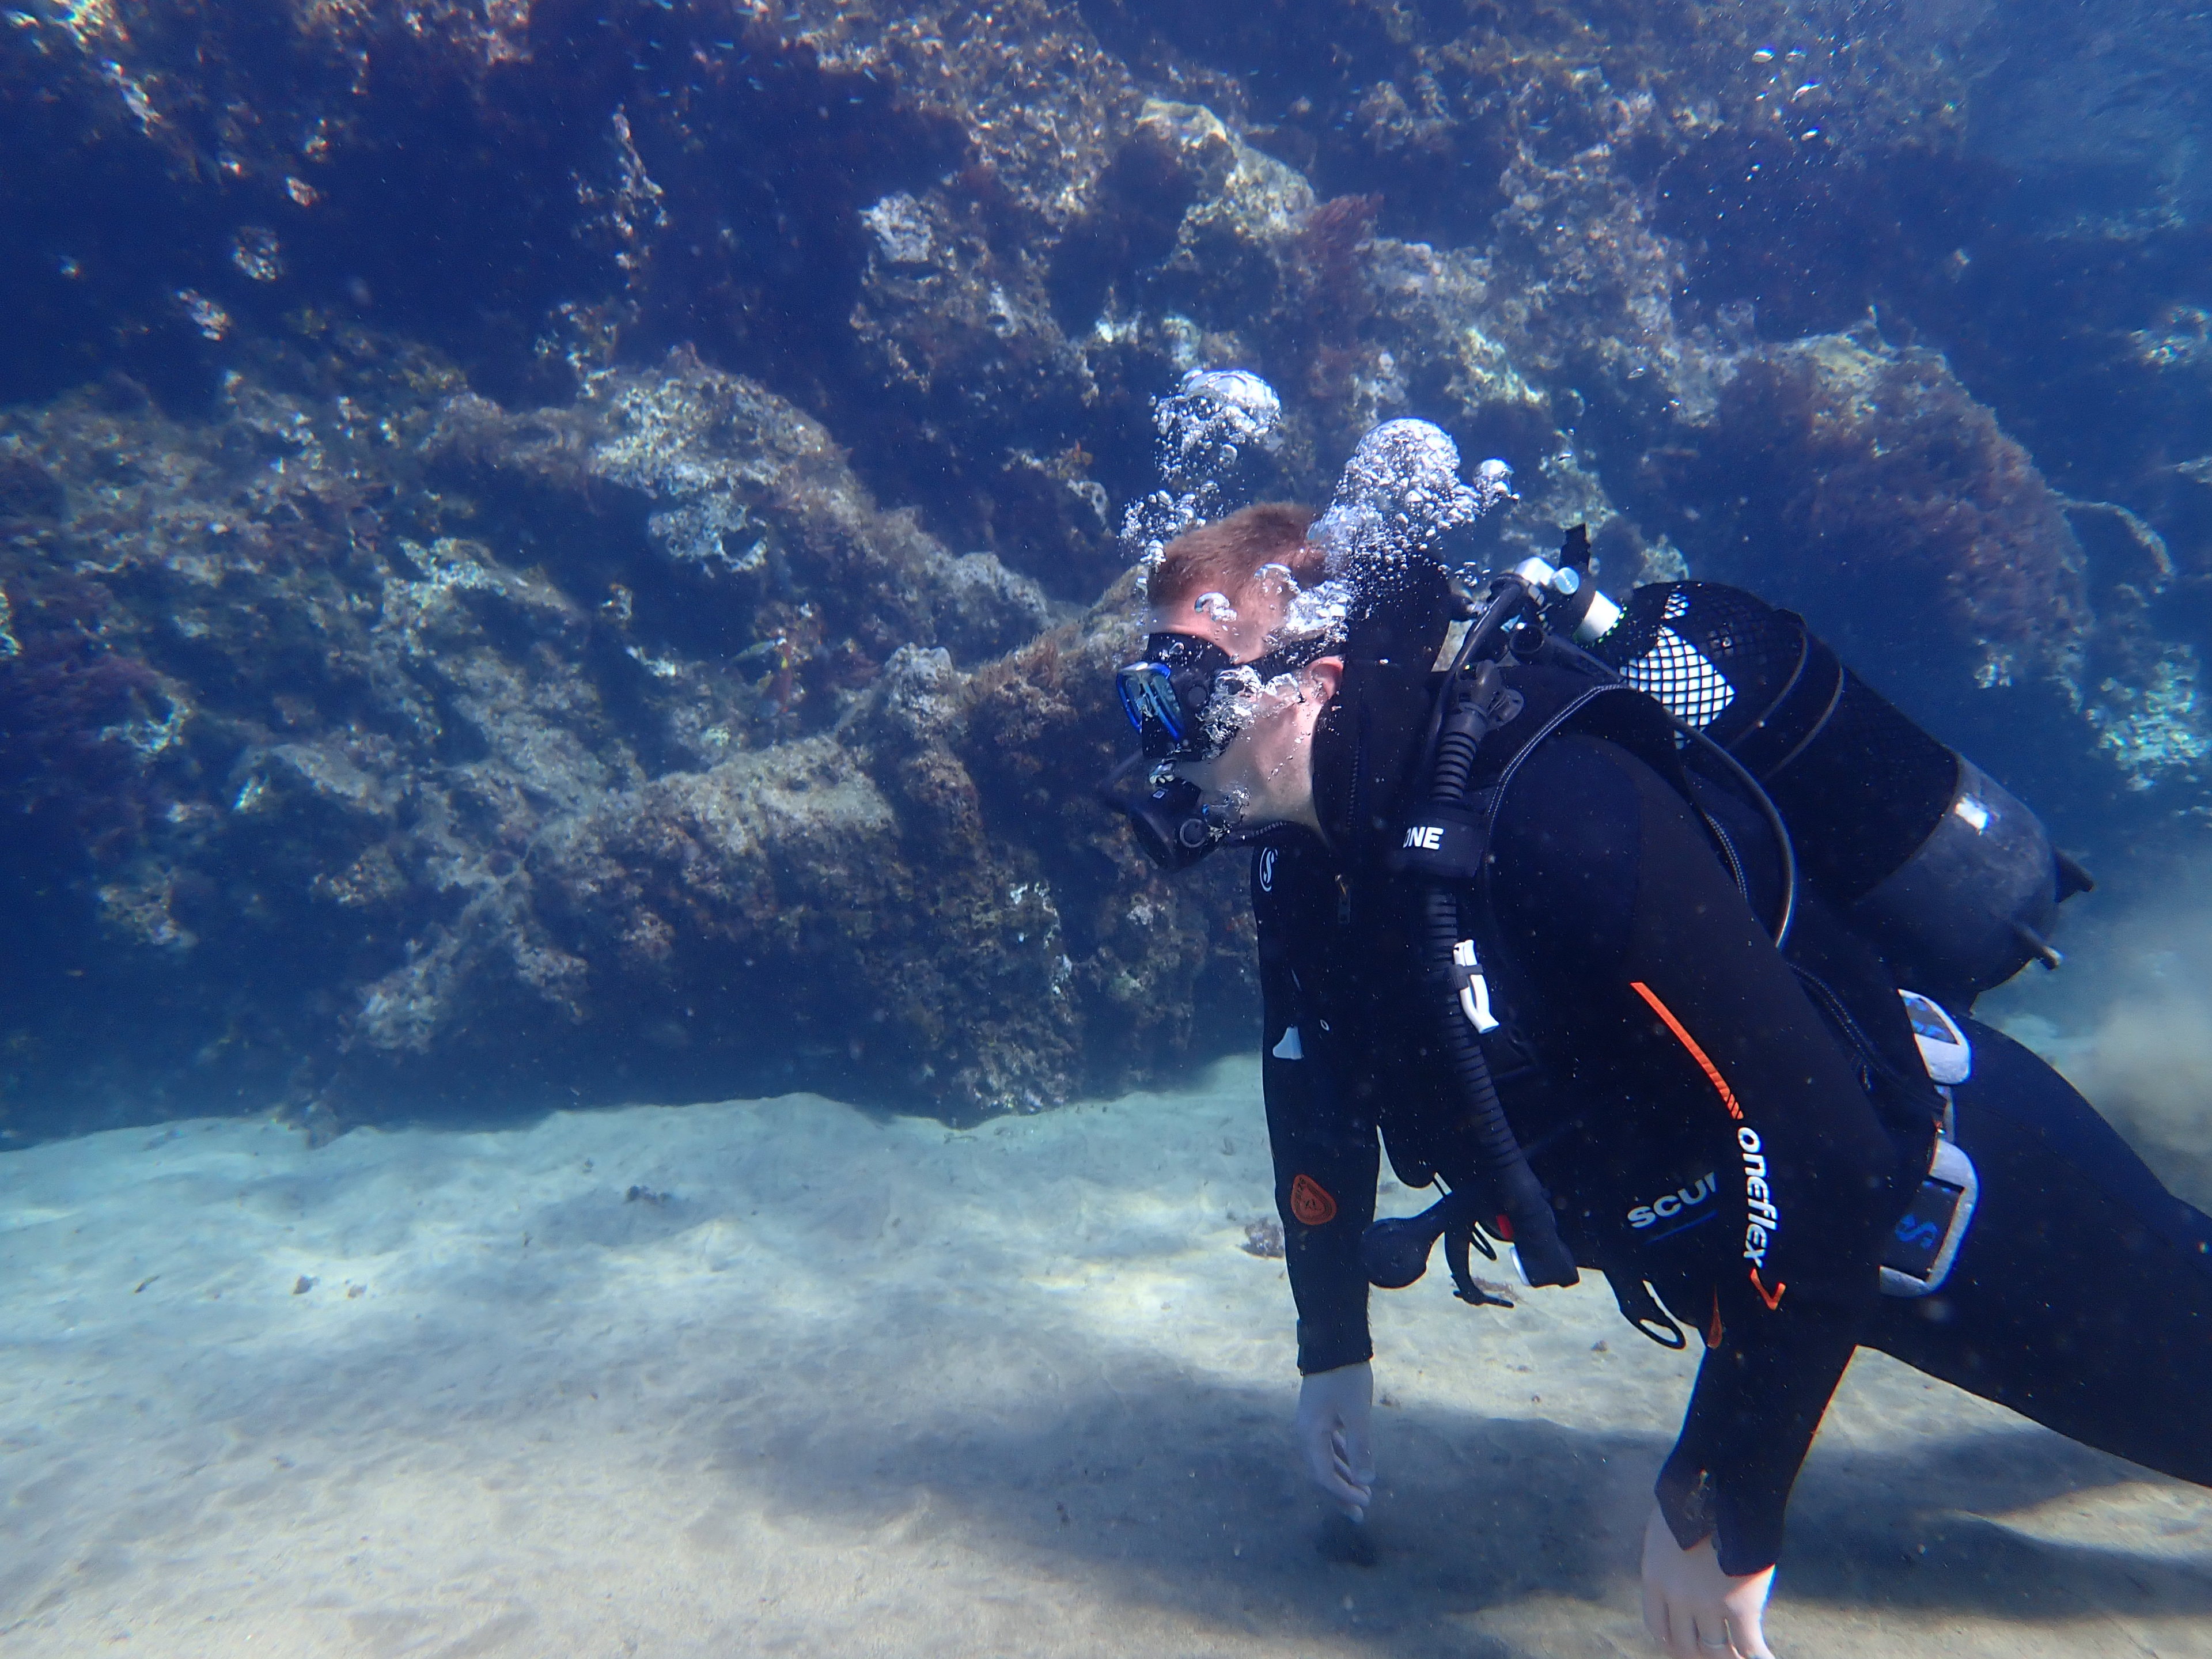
{"x": 1682, "y": 1013}
{"x": 1326, "y": 1155}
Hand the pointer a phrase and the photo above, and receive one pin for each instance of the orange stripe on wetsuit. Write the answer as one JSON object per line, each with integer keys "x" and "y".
{"x": 1772, "y": 1298}
{"x": 1704, "y": 1064}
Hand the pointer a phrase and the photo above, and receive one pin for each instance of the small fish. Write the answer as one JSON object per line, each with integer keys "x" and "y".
{"x": 762, "y": 652}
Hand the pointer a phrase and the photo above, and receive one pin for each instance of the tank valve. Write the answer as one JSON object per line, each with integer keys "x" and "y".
{"x": 2045, "y": 951}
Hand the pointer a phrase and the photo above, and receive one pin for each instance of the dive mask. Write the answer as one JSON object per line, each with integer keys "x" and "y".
{"x": 1166, "y": 694}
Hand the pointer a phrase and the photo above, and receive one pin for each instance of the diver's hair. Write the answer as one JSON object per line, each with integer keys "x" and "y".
{"x": 1223, "y": 557}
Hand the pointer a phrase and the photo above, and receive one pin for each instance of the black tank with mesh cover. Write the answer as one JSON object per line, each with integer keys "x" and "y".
{"x": 1949, "y": 874}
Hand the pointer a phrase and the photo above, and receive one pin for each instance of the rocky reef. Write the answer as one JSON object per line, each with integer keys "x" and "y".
{"x": 555, "y": 552}
{"x": 373, "y": 804}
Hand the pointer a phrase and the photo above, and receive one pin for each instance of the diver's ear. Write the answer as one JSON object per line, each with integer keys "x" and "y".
{"x": 1322, "y": 676}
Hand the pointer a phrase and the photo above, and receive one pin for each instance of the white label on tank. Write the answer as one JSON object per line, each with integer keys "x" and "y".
{"x": 1976, "y": 814}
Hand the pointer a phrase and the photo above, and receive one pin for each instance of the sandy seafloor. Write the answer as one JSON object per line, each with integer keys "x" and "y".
{"x": 866, "y": 1385}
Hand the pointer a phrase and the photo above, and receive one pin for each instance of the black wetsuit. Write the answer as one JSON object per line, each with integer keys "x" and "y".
{"x": 1736, "y": 1130}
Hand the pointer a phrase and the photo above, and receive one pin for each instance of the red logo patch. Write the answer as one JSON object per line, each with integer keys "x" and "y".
{"x": 1310, "y": 1202}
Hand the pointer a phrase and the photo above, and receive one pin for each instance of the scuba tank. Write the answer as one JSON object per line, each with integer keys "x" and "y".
{"x": 1937, "y": 865}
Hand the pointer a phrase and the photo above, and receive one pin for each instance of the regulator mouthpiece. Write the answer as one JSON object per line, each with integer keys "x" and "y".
{"x": 1169, "y": 820}
{"x": 1395, "y": 1253}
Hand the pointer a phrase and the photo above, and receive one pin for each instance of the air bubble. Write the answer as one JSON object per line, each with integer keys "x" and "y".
{"x": 1493, "y": 483}
{"x": 1215, "y": 607}
{"x": 1400, "y": 495}
{"x": 1206, "y": 426}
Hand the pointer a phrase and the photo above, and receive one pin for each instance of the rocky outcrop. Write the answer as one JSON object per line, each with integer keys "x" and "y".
{"x": 1838, "y": 465}
{"x": 686, "y": 794}
{"x": 551, "y": 548}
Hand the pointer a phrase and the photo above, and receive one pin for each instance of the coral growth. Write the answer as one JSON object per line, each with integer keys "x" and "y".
{"x": 1838, "y": 465}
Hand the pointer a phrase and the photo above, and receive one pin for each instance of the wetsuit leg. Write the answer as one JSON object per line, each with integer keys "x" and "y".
{"x": 1327, "y": 1160}
{"x": 2082, "y": 1295}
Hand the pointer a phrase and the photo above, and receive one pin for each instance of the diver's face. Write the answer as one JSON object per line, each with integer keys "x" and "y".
{"x": 1264, "y": 772}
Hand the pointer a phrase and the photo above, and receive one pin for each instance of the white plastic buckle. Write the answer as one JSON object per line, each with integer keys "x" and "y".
{"x": 1474, "y": 989}
{"x": 1944, "y": 1049}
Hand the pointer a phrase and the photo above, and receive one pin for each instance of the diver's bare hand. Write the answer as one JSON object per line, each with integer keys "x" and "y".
{"x": 1334, "y": 1409}
{"x": 1696, "y": 1610}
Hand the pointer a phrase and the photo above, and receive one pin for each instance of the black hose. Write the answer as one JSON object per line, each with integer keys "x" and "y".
{"x": 1516, "y": 600}
{"x": 1545, "y": 1258}
{"x": 1785, "y": 851}
{"x": 1396, "y": 1252}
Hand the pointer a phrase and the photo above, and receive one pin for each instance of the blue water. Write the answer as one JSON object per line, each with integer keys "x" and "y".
{"x": 553, "y": 557}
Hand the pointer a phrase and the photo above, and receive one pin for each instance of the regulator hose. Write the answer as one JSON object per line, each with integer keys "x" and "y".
{"x": 1786, "y": 850}
{"x": 1545, "y": 1258}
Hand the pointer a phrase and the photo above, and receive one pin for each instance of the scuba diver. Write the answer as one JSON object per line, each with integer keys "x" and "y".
{"x": 1648, "y": 934}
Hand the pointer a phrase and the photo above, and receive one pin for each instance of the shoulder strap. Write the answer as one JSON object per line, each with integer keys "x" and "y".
{"x": 1444, "y": 844}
